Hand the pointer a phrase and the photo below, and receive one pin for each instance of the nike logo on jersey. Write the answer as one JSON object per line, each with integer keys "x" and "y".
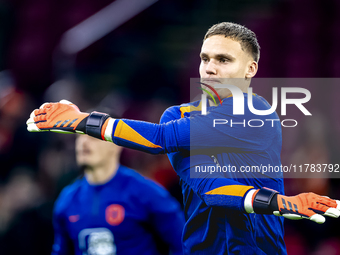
{"x": 73, "y": 218}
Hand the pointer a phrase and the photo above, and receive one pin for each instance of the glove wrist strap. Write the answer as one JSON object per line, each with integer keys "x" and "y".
{"x": 265, "y": 201}
{"x": 94, "y": 124}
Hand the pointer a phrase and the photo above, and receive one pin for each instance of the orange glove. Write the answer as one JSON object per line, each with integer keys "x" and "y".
{"x": 303, "y": 206}
{"x": 65, "y": 117}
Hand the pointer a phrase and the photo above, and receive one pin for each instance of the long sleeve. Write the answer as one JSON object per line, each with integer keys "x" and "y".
{"x": 219, "y": 128}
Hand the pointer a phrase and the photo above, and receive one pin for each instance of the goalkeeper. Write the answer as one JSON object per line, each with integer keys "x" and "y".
{"x": 233, "y": 215}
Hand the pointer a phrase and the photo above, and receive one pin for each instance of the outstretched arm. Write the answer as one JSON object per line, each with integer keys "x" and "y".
{"x": 303, "y": 206}
{"x": 65, "y": 117}
{"x": 189, "y": 133}
{"x": 173, "y": 136}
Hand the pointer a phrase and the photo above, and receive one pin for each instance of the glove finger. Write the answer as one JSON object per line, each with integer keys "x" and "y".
{"x": 323, "y": 209}
{"x": 40, "y": 118}
{"x": 332, "y": 212}
{"x": 327, "y": 201}
{"x": 64, "y": 101}
{"x": 317, "y": 218}
{"x": 39, "y": 111}
{"x": 32, "y": 115}
{"x": 292, "y": 216}
{"x": 44, "y": 105}
{"x": 30, "y": 121}
{"x": 277, "y": 213}
{"x": 32, "y": 127}
{"x": 331, "y": 203}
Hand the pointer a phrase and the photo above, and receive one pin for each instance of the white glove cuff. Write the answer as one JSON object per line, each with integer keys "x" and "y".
{"x": 108, "y": 130}
{"x": 248, "y": 201}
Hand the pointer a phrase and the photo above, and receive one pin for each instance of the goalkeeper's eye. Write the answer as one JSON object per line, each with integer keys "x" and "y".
{"x": 204, "y": 59}
{"x": 224, "y": 60}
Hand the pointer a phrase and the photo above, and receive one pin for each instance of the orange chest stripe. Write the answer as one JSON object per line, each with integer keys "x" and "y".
{"x": 124, "y": 131}
{"x": 190, "y": 108}
{"x": 184, "y": 110}
{"x": 230, "y": 190}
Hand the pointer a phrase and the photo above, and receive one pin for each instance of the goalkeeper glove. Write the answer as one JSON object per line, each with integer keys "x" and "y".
{"x": 65, "y": 117}
{"x": 303, "y": 206}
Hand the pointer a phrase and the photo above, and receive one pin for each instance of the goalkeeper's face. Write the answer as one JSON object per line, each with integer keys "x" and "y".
{"x": 92, "y": 153}
{"x": 224, "y": 58}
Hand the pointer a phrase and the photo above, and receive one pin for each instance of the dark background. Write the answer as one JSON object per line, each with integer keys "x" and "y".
{"x": 138, "y": 70}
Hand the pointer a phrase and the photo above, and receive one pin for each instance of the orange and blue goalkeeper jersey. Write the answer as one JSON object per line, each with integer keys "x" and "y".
{"x": 216, "y": 221}
{"x": 126, "y": 215}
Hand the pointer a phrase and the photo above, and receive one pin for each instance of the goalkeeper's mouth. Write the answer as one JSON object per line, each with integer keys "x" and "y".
{"x": 84, "y": 152}
{"x": 211, "y": 81}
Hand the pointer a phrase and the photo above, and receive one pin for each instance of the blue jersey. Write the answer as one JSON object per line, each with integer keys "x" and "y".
{"x": 122, "y": 216}
{"x": 216, "y": 221}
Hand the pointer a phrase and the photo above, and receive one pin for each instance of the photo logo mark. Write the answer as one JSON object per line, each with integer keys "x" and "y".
{"x": 213, "y": 90}
{"x": 238, "y": 100}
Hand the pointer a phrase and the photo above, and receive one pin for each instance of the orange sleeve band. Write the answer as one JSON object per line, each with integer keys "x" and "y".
{"x": 252, "y": 199}
{"x": 124, "y": 131}
{"x": 230, "y": 190}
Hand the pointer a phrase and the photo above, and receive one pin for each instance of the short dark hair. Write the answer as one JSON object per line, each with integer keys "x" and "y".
{"x": 237, "y": 32}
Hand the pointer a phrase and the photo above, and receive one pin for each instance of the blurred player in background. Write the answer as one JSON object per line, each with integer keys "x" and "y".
{"x": 232, "y": 215}
{"x": 113, "y": 209}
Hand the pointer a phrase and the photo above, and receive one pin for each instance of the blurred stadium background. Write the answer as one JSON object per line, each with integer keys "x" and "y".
{"x": 138, "y": 70}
